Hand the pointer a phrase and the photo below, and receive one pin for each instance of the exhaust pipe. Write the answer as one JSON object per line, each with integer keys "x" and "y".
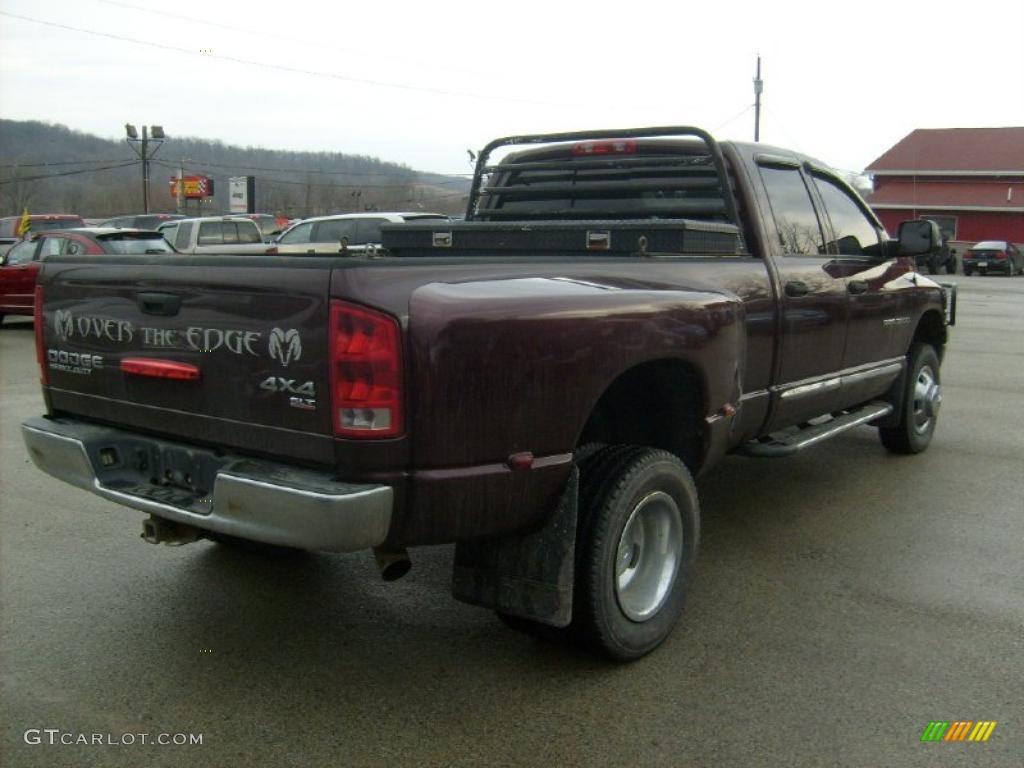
{"x": 393, "y": 563}
{"x": 156, "y": 530}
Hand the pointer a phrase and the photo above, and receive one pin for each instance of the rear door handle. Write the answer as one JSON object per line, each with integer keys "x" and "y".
{"x": 857, "y": 286}
{"x": 796, "y": 288}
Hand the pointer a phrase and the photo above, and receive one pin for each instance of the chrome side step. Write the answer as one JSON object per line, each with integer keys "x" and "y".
{"x": 790, "y": 441}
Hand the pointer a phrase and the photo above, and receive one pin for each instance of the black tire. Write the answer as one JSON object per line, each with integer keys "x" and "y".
{"x": 628, "y": 622}
{"x": 967, "y": 272}
{"x": 918, "y": 414}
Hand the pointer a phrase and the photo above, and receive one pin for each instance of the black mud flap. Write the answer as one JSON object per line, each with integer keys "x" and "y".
{"x": 530, "y": 576}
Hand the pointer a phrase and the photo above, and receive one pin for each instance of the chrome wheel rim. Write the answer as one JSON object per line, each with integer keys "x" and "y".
{"x": 648, "y": 555}
{"x": 927, "y": 399}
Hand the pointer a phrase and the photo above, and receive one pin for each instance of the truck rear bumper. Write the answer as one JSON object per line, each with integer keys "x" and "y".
{"x": 252, "y": 499}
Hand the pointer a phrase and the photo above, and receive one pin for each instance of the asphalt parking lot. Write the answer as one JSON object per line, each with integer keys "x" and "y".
{"x": 844, "y": 599}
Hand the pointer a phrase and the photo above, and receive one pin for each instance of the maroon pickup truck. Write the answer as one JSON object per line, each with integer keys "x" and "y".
{"x": 539, "y": 383}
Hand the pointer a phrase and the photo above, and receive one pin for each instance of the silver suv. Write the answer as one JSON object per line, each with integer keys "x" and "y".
{"x": 324, "y": 234}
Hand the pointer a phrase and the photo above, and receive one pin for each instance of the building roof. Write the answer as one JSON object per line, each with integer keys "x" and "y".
{"x": 957, "y": 150}
{"x": 942, "y": 195}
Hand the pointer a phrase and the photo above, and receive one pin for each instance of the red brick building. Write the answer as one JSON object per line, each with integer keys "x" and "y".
{"x": 969, "y": 180}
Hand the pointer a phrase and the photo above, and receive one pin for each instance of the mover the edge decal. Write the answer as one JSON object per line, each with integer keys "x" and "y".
{"x": 284, "y": 346}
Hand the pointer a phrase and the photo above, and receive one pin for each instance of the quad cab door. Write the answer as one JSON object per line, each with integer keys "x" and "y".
{"x": 879, "y": 290}
{"x": 814, "y": 302}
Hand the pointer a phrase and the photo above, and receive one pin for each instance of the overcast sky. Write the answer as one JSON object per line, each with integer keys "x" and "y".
{"x": 419, "y": 83}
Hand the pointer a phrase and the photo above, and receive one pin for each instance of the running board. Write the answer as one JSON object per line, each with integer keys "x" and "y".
{"x": 789, "y": 442}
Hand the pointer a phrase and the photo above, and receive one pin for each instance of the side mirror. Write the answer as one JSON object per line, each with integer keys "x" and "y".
{"x": 919, "y": 237}
{"x": 3, "y": 260}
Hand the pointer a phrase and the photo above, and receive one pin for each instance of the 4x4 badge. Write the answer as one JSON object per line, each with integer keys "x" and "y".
{"x": 285, "y": 347}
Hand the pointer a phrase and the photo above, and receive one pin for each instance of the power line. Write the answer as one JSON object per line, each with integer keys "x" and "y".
{"x": 59, "y": 162}
{"x": 67, "y": 173}
{"x": 284, "y": 68}
{"x": 386, "y": 174}
{"x": 376, "y": 54}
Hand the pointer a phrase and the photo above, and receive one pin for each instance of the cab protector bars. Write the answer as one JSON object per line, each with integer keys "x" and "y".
{"x": 598, "y": 135}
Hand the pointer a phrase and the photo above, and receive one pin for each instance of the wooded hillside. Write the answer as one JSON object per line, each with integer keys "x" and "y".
{"x": 52, "y": 169}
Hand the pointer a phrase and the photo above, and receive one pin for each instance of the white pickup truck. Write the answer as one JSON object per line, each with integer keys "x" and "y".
{"x": 214, "y": 234}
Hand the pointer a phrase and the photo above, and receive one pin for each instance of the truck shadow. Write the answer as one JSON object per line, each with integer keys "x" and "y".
{"x": 10, "y": 324}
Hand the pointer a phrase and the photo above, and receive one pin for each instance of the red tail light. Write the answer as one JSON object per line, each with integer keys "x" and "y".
{"x": 366, "y": 372}
{"x": 1001, "y": 255}
{"x": 160, "y": 369}
{"x": 612, "y": 147}
{"x": 37, "y": 318}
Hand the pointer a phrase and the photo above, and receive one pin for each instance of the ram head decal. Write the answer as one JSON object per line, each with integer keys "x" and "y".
{"x": 285, "y": 346}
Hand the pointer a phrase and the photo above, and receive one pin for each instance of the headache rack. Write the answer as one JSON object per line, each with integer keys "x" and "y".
{"x": 606, "y": 174}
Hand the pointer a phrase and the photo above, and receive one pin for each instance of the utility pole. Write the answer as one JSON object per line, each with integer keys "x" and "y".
{"x": 180, "y": 197}
{"x": 758, "y": 87}
{"x": 144, "y": 154}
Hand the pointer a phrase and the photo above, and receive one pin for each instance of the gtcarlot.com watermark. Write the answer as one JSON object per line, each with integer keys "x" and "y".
{"x": 57, "y": 737}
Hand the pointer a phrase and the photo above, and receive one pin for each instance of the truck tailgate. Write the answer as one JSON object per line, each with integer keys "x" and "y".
{"x": 248, "y": 339}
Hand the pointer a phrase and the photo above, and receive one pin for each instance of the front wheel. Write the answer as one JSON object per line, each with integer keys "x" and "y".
{"x": 636, "y": 550}
{"x": 922, "y": 396}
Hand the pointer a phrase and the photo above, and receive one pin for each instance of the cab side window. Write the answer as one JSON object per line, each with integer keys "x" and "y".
{"x": 21, "y": 253}
{"x": 183, "y": 236}
{"x": 212, "y": 233}
{"x": 795, "y": 219}
{"x": 52, "y": 246}
{"x": 855, "y": 234}
{"x": 299, "y": 234}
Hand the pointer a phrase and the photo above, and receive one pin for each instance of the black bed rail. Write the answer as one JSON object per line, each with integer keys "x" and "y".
{"x": 714, "y": 152}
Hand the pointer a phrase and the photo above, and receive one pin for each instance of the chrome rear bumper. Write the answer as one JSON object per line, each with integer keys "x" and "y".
{"x": 252, "y": 499}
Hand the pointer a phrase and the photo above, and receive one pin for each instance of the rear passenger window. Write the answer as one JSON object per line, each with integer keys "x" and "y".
{"x": 248, "y": 232}
{"x": 368, "y": 231}
{"x": 855, "y": 234}
{"x": 795, "y": 220}
{"x": 211, "y": 233}
{"x": 333, "y": 231}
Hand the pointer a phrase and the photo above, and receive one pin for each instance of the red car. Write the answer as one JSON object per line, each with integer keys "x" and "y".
{"x": 40, "y": 222}
{"x": 20, "y": 265}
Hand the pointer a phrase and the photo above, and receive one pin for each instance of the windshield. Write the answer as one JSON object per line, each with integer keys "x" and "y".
{"x": 136, "y": 245}
{"x": 49, "y": 225}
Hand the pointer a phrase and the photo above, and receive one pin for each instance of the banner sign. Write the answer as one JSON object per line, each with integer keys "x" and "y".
{"x": 195, "y": 187}
{"x": 242, "y": 194}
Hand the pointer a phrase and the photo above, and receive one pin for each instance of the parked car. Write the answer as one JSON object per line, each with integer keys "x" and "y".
{"x": 40, "y": 222}
{"x": 141, "y": 221}
{"x": 538, "y": 384}
{"x": 994, "y": 256}
{"x": 214, "y": 234}
{"x": 19, "y": 267}
{"x": 324, "y": 234}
